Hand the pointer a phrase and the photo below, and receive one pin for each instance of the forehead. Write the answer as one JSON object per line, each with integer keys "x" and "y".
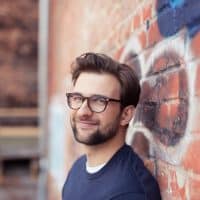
{"x": 89, "y": 83}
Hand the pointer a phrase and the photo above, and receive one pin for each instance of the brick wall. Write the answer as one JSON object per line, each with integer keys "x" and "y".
{"x": 18, "y": 53}
{"x": 160, "y": 39}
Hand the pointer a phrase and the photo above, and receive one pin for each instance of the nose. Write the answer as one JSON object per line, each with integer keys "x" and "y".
{"x": 84, "y": 109}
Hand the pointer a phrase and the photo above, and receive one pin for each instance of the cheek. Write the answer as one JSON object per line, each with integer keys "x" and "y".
{"x": 110, "y": 116}
{"x": 72, "y": 114}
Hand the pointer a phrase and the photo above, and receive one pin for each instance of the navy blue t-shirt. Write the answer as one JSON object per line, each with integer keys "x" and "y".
{"x": 124, "y": 177}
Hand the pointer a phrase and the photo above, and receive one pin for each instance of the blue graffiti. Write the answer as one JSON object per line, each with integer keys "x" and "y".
{"x": 173, "y": 15}
{"x": 176, "y": 3}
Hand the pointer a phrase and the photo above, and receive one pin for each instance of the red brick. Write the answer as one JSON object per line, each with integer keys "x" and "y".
{"x": 147, "y": 12}
{"x": 118, "y": 53}
{"x": 172, "y": 181}
{"x": 167, "y": 60}
{"x": 197, "y": 81}
{"x": 113, "y": 40}
{"x": 148, "y": 91}
{"x": 128, "y": 29}
{"x": 164, "y": 87}
{"x": 196, "y": 116}
{"x": 177, "y": 191}
{"x": 173, "y": 108}
{"x": 173, "y": 85}
{"x": 163, "y": 175}
{"x": 154, "y": 35}
{"x": 167, "y": 114}
{"x": 191, "y": 159}
{"x": 179, "y": 122}
{"x": 124, "y": 33}
{"x": 136, "y": 21}
{"x": 195, "y": 45}
{"x": 163, "y": 117}
{"x": 160, "y": 88}
{"x": 183, "y": 84}
{"x": 160, "y": 64}
{"x": 143, "y": 39}
{"x": 171, "y": 127}
{"x": 194, "y": 188}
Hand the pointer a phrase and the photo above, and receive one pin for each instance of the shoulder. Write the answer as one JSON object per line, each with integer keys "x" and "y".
{"x": 76, "y": 168}
{"x": 134, "y": 174}
{"x": 144, "y": 177}
{"x": 79, "y": 163}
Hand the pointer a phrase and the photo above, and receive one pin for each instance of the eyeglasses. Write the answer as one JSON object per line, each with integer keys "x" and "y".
{"x": 96, "y": 103}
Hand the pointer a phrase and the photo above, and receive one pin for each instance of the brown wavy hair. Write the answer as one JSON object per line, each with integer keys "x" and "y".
{"x": 101, "y": 63}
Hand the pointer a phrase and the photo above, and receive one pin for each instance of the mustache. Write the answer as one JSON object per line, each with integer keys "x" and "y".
{"x": 85, "y": 119}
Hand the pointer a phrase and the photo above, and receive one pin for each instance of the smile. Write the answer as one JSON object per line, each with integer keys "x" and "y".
{"x": 84, "y": 124}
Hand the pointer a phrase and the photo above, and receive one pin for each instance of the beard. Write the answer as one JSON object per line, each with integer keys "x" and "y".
{"x": 100, "y": 136}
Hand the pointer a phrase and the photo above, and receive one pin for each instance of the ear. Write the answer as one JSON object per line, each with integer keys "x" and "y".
{"x": 127, "y": 115}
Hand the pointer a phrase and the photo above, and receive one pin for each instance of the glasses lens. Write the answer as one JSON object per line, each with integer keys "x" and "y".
{"x": 75, "y": 101}
{"x": 97, "y": 103}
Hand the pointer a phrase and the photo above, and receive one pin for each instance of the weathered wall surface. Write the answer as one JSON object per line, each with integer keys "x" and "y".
{"x": 19, "y": 130}
{"x": 18, "y": 53}
{"x": 160, "y": 39}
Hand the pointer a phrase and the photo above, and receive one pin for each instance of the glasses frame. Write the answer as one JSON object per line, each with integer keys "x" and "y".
{"x": 107, "y": 100}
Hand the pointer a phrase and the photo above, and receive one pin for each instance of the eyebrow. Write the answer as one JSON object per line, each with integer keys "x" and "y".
{"x": 78, "y": 93}
{"x": 98, "y": 95}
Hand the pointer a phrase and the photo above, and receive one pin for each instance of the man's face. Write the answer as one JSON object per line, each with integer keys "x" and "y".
{"x": 92, "y": 128}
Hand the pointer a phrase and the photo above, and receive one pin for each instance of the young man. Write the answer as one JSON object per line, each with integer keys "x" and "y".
{"x": 103, "y": 101}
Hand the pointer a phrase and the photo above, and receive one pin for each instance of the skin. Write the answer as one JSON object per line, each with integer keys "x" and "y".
{"x": 110, "y": 125}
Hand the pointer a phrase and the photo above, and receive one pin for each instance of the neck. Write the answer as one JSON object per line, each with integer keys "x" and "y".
{"x": 102, "y": 153}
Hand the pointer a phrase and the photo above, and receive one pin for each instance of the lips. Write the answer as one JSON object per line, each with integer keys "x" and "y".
{"x": 86, "y": 124}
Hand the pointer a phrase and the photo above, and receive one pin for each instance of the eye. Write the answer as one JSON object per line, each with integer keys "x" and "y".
{"x": 76, "y": 97}
{"x": 98, "y": 100}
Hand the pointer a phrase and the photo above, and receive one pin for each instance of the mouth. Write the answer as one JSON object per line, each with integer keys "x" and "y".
{"x": 86, "y": 124}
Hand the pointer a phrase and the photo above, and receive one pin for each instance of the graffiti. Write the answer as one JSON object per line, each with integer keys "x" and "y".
{"x": 163, "y": 114}
{"x": 176, "y": 3}
{"x": 173, "y": 15}
{"x": 168, "y": 92}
